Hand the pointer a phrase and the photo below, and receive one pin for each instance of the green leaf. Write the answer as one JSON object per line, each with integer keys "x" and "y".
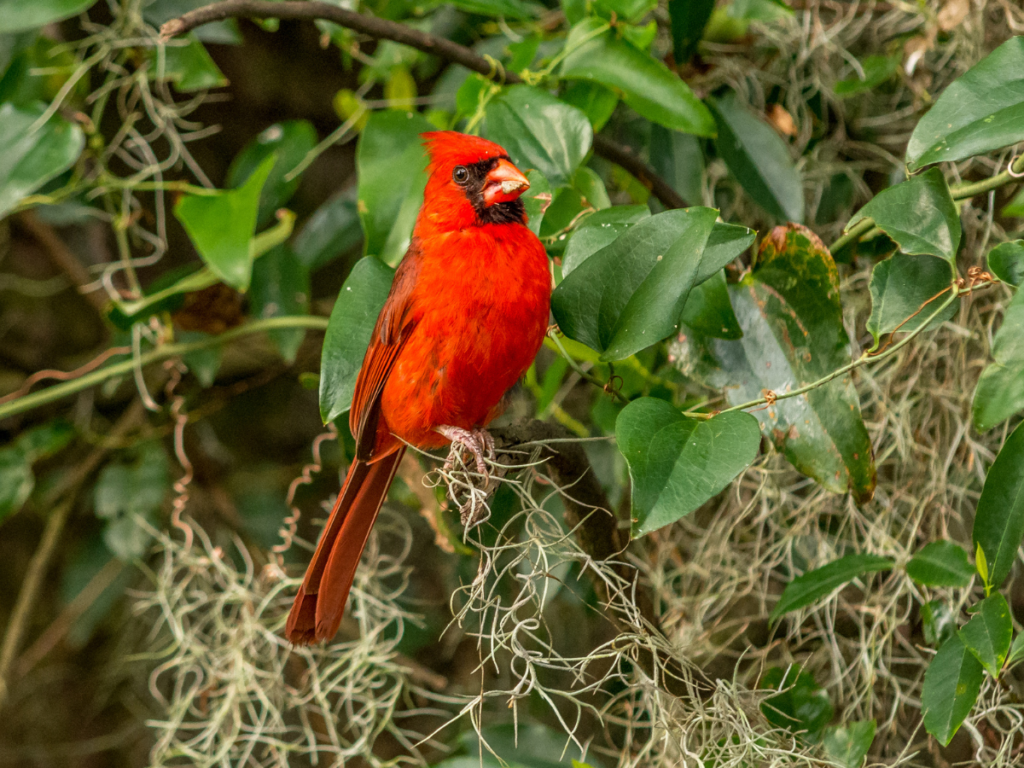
{"x": 222, "y": 226}
{"x": 129, "y": 490}
{"x": 709, "y": 311}
{"x": 1000, "y": 391}
{"x": 904, "y": 285}
{"x": 941, "y": 564}
{"x": 646, "y": 84}
{"x": 848, "y": 745}
{"x": 280, "y": 288}
{"x": 688, "y": 17}
{"x": 16, "y": 481}
{"x": 598, "y": 231}
{"x": 539, "y": 131}
{"x": 330, "y": 232}
{"x": 32, "y": 157}
{"x": 630, "y": 294}
{"x": 759, "y": 159}
{"x": 288, "y": 142}
{"x": 817, "y": 584}
{"x": 348, "y": 334}
{"x": 937, "y": 623}
{"x": 628, "y": 10}
{"x": 677, "y": 463}
{"x": 45, "y": 440}
{"x": 679, "y": 159}
{"x": 877, "y": 69}
{"x": 19, "y": 15}
{"x": 1006, "y": 261}
{"x": 591, "y": 187}
{"x": 980, "y": 111}
{"x": 1016, "y": 651}
{"x": 391, "y": 164}
{"x": 987, "y": 635}
{"x": 919, "y": 214}
{"x": 790, "y": 314}
{"x": 999, "y": 521}
{"x": 981, "y": 563}
{"x": 509, "y": 9}
{"x": 187, "y": 64}
{"x": 801, "y": 706}
{"x": 1015, "y": 207}
{"x": 592, "y": 99}
{"x": 951, "y": 687}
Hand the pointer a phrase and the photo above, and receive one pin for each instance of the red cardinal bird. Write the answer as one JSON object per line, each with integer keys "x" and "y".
{"x": 467, "y": 312}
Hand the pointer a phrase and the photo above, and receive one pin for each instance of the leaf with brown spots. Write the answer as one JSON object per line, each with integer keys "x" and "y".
{"x": 789, "y": 310}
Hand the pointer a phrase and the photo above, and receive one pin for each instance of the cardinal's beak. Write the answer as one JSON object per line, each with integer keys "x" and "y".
{"x": 505, "y": 182}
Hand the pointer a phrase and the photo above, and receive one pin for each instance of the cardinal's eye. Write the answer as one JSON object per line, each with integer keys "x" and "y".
{"x": 460, "y": 174}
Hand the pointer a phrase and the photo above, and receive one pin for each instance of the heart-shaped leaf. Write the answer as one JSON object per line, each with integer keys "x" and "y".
{"x": 999, "y": 521}
{"x": 630, "y": 294}
{"x": 677, "y": 463}
{"x": 539, "y": 131}
{"x": 989, "y": 632}
{"x": 1000, "y": 391}
{"x": 905, "y": 291}
{"x": 348, "y": 333}
{"x": 980, "y": 111}
{"x": 919, "y": 214}
{"x": 595, "y": 53}
{"x": 789, "y": 312}
{"x": 31, "y": 158}
{"x": 758, "y": 158}
{"x": 951, "y": 686}
{"x": 941, "y": 564}
{"x": 391, "y": 164}
{"x": 221, "y": 226}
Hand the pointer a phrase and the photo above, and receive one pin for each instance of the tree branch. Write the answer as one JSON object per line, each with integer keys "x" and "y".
{"x": 383, "y": 29}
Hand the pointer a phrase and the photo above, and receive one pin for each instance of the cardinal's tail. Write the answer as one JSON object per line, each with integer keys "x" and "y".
{"x": 318, "y": 608}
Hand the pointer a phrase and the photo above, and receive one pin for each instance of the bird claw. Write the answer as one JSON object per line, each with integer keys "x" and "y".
{"x": 478, "y": 442}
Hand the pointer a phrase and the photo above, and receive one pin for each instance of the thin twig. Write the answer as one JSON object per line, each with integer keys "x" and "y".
{"x": 162, "y": 352}
{"x": 384, "y": 29}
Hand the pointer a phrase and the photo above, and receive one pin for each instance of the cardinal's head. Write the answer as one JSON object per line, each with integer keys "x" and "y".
{"x": 472, "y": 182}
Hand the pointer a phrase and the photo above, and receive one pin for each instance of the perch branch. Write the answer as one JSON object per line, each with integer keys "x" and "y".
{"x": 384, "y": 29}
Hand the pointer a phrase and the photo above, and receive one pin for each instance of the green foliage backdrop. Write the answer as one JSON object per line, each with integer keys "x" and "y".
{"x": 759, "y": 500}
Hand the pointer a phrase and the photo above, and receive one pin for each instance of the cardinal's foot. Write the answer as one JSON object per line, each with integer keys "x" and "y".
{"x": 477, "y": 441}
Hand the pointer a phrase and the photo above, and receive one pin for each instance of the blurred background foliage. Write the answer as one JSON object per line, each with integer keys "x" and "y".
{"x": 157, "y": 192}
